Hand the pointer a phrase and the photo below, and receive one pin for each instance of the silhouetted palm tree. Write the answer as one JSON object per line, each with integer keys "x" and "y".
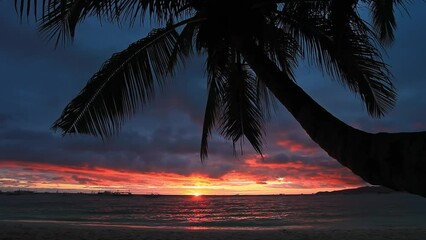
{"x": 252, "y": 49}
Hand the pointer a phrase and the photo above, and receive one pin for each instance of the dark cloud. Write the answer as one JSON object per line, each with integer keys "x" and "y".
{"x": 166, "y": 150}
{"x": 5, "y": 121}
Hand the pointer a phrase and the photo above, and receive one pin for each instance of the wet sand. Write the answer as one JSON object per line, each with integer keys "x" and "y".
{"x": 62, "y": 231}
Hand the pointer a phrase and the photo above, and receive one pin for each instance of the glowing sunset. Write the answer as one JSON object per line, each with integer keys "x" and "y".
{"x": 250, "y": 179}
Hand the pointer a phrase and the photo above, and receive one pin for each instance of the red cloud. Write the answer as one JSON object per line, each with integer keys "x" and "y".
{"x": 254, "y": 177}
{"x": 295, "y": 147}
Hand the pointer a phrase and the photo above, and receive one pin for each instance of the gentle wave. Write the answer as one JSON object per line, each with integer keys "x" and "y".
{"x": 219, "y": 212}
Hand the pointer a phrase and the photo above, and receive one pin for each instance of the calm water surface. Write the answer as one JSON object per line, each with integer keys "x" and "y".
{"x": 242, "y": 212}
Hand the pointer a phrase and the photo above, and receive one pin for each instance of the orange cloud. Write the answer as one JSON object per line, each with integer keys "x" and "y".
{"x": 295, "y": 147}
{"x": 254, "y": 163}
{"x": 249, "y": 180}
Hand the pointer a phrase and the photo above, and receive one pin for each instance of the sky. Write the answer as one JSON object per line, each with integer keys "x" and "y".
{"x": 158, "y": 150}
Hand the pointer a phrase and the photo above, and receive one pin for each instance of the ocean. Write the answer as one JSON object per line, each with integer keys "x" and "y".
{"x": 219, "y": 212}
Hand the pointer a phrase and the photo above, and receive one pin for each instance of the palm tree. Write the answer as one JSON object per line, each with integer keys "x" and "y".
{"x": 252, "y": 49}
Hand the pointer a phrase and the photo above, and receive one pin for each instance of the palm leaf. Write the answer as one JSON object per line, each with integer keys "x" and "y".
{"x": 241, "y": 113}
{"x": 233, "y": 106}
{"x": 125, "y": 81}
{"x": 383, "y": 16}
{"x": 265, "y": 99}
{"x": 360, "y": 64}
{"x": 364, "y": 72}
{"x": 213, "y": 109}
{"x": 217, "y": 60}
{"x": 348, "y": 54}
{"x": 60, "y": 22}
{"x": 281, "y": 48}
{"x": 157, "y": 8}
{"x": 58, "y": 18}
{"x": 184, "y": 44}
{"x": 308, "y": 25}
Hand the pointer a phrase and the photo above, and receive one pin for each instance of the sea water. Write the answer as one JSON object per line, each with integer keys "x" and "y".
{"x": 220, "y": 212}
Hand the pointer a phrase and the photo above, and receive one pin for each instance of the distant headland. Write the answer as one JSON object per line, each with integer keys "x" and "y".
{"x": 360, "y": 190}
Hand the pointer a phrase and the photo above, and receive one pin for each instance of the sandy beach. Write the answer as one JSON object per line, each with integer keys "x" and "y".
{"x": 51, "y": 231}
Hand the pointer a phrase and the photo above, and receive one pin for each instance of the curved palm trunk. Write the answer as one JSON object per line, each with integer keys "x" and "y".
{"x": 394, "y": 160}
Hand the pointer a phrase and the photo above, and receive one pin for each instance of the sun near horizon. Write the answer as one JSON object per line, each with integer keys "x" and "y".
{"x": 42, "y": 177}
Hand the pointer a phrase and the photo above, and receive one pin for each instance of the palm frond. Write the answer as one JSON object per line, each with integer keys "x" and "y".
{"x": 184, "y": 44}
{"x": 265, "y": 99}
{"x": 233, "y": 106}
{"x": 309, "y": 27}
{"x": 213, "y": 109}
{"x": 359, "y": 62}
{"x": 23, "y": 8}
{"x": 348, "y": 54}
{"x": 60, "y": 22}
{"x": 163, "y": 9}
{"x": 241, "y": 114}
{"x": 281, "y": 48}
{"x": 383, "y": 16}
{"x": 58, "y": 18}
{"x": 124, "y": 82}
{"x": 217, "y": 60}
{"x": 364, "y": 71}
{"x": 157, "y": 8}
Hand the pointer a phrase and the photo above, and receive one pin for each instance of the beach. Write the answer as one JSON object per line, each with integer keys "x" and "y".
{"x": 66, "y": 231}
